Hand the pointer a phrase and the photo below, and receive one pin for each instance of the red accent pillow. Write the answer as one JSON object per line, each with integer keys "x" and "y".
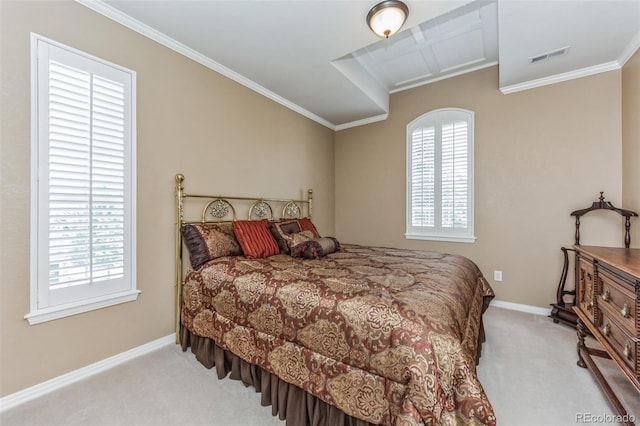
{"x": 255, "y": 238}
{"x": 305, "y": 225}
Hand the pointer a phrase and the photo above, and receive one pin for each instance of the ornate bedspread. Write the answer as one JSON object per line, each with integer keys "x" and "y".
{"x": 386, "y": 335}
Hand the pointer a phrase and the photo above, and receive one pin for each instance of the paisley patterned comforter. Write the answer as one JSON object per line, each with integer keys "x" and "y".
{"x": 386, "y": 335}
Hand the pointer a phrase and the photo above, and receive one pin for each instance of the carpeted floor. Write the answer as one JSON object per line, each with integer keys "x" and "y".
{"x": 528, "y": 369}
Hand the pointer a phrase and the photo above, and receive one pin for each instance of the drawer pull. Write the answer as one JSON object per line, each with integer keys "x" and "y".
{"x": 627, "y": 350}
{"x": 605, "y": 295}
{"x": 606, "y": 329}
{"x": 625, "y": 311}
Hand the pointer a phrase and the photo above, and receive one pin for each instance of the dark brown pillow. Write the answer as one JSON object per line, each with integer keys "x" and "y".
{"x": 305, "y": 225}
{"x": 315, "y": 248}
{"x": 280, "y": 231}
{"x": 208, "y": 241}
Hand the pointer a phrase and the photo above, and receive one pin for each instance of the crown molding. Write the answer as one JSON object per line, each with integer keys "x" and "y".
{"x": 362, "y": 122}
{"x": 444, "y": 77}
{"x": 557, "y": 78}
{"x": 631, "y": 48}
{"x": 114, "y": 14}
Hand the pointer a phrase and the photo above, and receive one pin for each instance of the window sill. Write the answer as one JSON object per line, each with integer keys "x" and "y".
{"x": 451, "y": 239}
{"x": 48, "y": 314}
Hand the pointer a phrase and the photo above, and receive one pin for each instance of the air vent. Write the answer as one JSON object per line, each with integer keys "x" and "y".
{"x": 549, "y": 55}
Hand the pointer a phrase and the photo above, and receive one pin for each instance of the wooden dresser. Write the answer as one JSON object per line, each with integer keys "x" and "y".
{"x": 608, "y": 306}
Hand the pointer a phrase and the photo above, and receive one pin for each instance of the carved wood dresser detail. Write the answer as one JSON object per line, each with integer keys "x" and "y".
{"x": 563, "y": 310}
{"x": 608, "y": 307}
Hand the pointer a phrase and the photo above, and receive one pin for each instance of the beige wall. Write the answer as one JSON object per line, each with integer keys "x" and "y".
{"x": 539, "y": 155}
{"x": 222, "y": 136}
{"x": 631, "y": 141}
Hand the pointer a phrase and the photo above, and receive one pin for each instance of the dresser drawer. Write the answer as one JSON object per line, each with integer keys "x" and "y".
{"x": 625, "y": 345}
{"x": 616, "y": 296}
{"x": 585, "y": 287}
{"x": 616, "y": 309}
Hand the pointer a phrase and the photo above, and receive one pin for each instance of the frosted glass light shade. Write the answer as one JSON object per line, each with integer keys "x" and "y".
{"x": 387, "y": 17}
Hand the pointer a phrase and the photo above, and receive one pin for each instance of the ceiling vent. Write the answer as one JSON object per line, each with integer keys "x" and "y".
{"x": 549, "y": 55}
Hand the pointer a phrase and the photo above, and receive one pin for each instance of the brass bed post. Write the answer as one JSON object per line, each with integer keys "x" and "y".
{"x": 310, "y": 199}
{"x": 179, "y": 220}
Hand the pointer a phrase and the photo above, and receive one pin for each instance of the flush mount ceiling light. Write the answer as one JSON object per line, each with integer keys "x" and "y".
{"x": 387, "y": 17}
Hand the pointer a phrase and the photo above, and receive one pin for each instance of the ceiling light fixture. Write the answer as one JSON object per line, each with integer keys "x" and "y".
{"x": 387, "y": 17}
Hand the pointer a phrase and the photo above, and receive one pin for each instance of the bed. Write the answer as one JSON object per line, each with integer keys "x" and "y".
{"x": 329, "y": 333}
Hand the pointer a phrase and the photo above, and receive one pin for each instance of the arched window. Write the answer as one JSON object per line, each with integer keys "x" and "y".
{"x": 440, "y": 176}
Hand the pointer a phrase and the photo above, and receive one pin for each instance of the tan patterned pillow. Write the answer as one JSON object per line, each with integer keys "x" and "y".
{"x": 298, "y": 238}
{"x": 208, "y": 241}
{"x": 315, "y": 248}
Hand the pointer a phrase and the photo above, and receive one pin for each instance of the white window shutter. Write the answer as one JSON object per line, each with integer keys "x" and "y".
{"x": 423, "y": 177}
{"x": 454, "y": 174}
{"x": 440, "y": 176}
{"x": 84, "y": 180}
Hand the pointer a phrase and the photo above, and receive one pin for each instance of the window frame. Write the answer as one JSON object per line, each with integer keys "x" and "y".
{"x": 437, "y": 232}
{"x": 87, "y": 297}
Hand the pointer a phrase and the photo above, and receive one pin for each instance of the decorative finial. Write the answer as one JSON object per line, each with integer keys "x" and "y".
{"x": 601, "y": 196}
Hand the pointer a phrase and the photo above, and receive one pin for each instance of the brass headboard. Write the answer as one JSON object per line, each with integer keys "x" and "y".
{"x": 221, "y": 208}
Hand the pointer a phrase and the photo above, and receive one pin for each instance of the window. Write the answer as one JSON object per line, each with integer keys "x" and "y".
{"x": 440, "y": 176}
{"x": 82, "y": 182}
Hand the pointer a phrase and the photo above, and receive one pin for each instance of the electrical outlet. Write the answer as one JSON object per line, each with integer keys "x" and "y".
{"x": 497, "y": 275}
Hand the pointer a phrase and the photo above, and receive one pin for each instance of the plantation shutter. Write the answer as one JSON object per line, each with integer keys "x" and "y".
{"x": 439, "y": 176}
{"x": 85, "y": 178}
{"x": 454, "y": 198}
{"x": 423, "y": 177}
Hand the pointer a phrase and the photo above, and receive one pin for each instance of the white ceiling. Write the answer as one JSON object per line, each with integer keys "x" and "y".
{"x": 319, "y": 58}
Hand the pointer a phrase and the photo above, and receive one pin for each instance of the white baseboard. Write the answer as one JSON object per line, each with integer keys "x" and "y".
{"x": 28, "y": 394}
{"x": 519, "y": 307}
